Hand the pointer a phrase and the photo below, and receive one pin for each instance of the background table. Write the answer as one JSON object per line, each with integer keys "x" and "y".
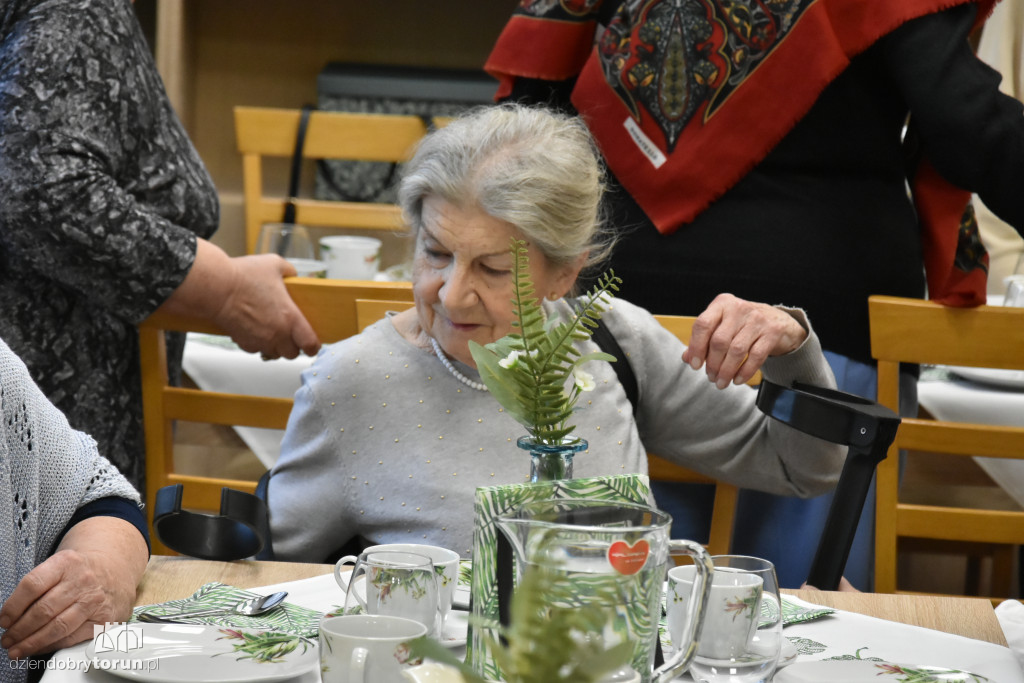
{"x": 168, "y": 578}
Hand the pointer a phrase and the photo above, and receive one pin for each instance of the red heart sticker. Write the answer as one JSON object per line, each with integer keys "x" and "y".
{"x": 627, "y": 559}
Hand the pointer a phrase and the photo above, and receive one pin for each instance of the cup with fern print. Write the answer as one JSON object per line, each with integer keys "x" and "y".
{"x": 742, "y": 633}
{"x": 391, "y": 583}
{"x": 362, "y": 648}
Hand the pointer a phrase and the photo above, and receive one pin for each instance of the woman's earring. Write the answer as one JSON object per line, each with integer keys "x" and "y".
{"x": 552, "y": 295}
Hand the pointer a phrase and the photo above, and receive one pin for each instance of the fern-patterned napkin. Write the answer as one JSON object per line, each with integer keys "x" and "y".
{"x": 794, "y": 613}
{"x": 287, "y": 618}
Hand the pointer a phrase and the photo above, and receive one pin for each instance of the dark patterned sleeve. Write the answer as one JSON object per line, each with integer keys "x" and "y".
{"x": 97, "y": 178}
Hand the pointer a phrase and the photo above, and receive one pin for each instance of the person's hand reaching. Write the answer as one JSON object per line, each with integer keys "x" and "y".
{"x": 733, "y": 337}
{"x": 245, "y": 296}
{"x": 259, "y": 314}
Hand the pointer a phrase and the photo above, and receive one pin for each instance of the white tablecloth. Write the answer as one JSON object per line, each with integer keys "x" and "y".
{"x": 216, "y": 364}
{"x": 843, "y": 634}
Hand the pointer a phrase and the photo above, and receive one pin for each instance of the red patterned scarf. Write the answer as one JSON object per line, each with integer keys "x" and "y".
{"x": 669, "y": 84}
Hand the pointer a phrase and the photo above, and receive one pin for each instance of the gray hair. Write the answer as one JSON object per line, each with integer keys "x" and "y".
{"x": 534, "y": 168}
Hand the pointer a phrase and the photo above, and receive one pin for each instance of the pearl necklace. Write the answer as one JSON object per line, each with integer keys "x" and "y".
{"x": 479, "y": 386}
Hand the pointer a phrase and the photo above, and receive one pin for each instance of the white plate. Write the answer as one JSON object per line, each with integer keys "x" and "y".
{"x": 1012, "y": 379}
{"x": 866, "y": 671}
{"x": 172, "y": 653}
{"x": 456, "y": 629}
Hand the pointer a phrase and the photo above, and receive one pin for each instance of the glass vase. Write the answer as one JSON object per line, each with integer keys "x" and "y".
{"x": 551, "y": 462}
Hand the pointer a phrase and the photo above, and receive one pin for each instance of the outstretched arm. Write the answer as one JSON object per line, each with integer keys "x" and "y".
{"x": 246, "y": 296}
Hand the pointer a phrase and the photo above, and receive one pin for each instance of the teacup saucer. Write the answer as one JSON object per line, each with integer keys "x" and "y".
{"x": 456, "y": 629}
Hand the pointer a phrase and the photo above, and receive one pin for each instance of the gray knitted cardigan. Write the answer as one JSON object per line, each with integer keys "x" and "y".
{"x": 47, "y": 471}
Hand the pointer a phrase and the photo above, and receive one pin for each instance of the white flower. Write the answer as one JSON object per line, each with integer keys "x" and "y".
{"x": 583, "y": 379}
{"x": 511, "y": 360}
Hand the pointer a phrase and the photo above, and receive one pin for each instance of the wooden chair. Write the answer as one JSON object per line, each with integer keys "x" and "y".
{"x": 916, "y": 331}
{"x": 330, "y": 307}
{"x": 263, "y": 132}
{"x": 369, "y": 311}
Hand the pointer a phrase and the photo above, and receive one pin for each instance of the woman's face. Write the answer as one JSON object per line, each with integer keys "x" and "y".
{"x": 462, "y": 276}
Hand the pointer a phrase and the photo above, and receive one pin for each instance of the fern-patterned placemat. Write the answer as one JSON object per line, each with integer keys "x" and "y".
{"x": 288, "y": 618}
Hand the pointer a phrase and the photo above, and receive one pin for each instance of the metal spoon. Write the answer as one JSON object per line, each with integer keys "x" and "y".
{"x": 249, "y": 608}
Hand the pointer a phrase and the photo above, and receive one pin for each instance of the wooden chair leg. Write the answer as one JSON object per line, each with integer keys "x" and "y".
{"x": 1003, "y": 570}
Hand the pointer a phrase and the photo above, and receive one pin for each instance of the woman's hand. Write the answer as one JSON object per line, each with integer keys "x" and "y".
{"x": 734, "y": 337}
{"x": 246, "y": 296}
{"x": 259, "y": 314}
{"x": 90, "y": 579}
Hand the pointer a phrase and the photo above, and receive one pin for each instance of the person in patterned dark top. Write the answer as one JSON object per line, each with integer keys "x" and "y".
{"x": 105, "y": 212}
{"x": 757, "y": 148}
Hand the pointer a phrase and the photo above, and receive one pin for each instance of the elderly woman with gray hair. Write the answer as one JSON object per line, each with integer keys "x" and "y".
{"x": 392, "y": 430}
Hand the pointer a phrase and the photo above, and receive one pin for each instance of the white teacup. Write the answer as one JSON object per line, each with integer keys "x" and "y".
{"x": 364, "y": 648}
{"x": 446, "y": 566}
{"x": 734, "y": 607}
{"x": 349, "y": 257}
{"x": 401, "y": 584}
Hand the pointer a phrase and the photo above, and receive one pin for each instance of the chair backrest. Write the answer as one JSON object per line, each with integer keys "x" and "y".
{"x": 916, "y": 331}
{"x": 369, "y": 311}
{"x": 263, "y": 132}
{"x": 330, "y": 307}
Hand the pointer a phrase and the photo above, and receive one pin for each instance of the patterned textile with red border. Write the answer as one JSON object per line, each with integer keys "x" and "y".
{"x": 684, "y": 98}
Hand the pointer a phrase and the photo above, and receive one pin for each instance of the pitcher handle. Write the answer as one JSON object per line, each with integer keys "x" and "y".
{"x": 687, "y": 646}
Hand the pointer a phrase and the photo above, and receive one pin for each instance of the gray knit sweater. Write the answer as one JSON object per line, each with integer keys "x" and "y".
{"x": 47, "y": 471}
{"x": 384, "y": 442}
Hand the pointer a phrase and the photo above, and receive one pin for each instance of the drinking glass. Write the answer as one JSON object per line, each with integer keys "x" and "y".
{"x": 398, "y": 584}
{"x": 293, "y": 243}
{"x": 745, "y": 647}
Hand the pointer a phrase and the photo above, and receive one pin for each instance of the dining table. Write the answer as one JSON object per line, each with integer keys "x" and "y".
{"x": 169, "y": 577}
{"x": 926, "y": 625}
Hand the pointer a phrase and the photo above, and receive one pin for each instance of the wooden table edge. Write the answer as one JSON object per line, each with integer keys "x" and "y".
{"x": 962, "y": 616}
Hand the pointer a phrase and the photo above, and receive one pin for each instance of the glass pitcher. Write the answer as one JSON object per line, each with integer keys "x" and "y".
{"x": 608, "y": 548}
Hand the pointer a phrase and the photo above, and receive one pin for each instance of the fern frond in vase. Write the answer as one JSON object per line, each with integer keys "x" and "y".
{"x": 528, "y": 371}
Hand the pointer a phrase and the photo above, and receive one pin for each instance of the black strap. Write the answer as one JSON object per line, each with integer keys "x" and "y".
{"x": 293, "y": 181}
{"x": 605, "y": 341}
{"x": 367, "y": 193}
